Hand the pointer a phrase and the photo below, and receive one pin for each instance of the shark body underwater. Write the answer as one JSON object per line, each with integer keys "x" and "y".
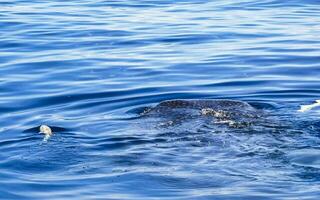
{"x": 233, "y": 113}
{"x": 191, "y": 112}
{"x": 207, "y": 112}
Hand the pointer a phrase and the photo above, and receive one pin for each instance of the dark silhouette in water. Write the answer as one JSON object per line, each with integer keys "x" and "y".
{"x": 205, "y": 103}
{"x": 231, "y": 112}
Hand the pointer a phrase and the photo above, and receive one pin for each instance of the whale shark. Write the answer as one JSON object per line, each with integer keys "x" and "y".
{"x": 233, "y": 113}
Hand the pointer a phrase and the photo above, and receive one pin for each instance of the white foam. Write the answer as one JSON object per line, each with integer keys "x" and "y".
{"x": 304, "y": 108}
{"x": 46, "y": 138}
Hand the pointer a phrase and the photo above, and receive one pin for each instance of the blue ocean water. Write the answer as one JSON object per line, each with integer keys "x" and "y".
{"x": 87, "y": 68}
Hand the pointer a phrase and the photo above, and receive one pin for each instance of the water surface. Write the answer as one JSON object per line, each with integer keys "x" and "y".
{"x": 88, "y": 68}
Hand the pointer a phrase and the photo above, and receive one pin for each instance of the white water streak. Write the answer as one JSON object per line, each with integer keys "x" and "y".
{"x": 304, "y": 108}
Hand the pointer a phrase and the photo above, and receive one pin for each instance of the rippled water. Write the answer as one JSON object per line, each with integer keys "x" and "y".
{"x": 88, "y": 68}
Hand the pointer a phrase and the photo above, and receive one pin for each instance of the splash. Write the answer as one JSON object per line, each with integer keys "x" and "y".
{"x": 304, "y": 108}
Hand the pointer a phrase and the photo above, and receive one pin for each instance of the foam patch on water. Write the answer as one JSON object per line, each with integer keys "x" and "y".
{"x": 304, "y": 108}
